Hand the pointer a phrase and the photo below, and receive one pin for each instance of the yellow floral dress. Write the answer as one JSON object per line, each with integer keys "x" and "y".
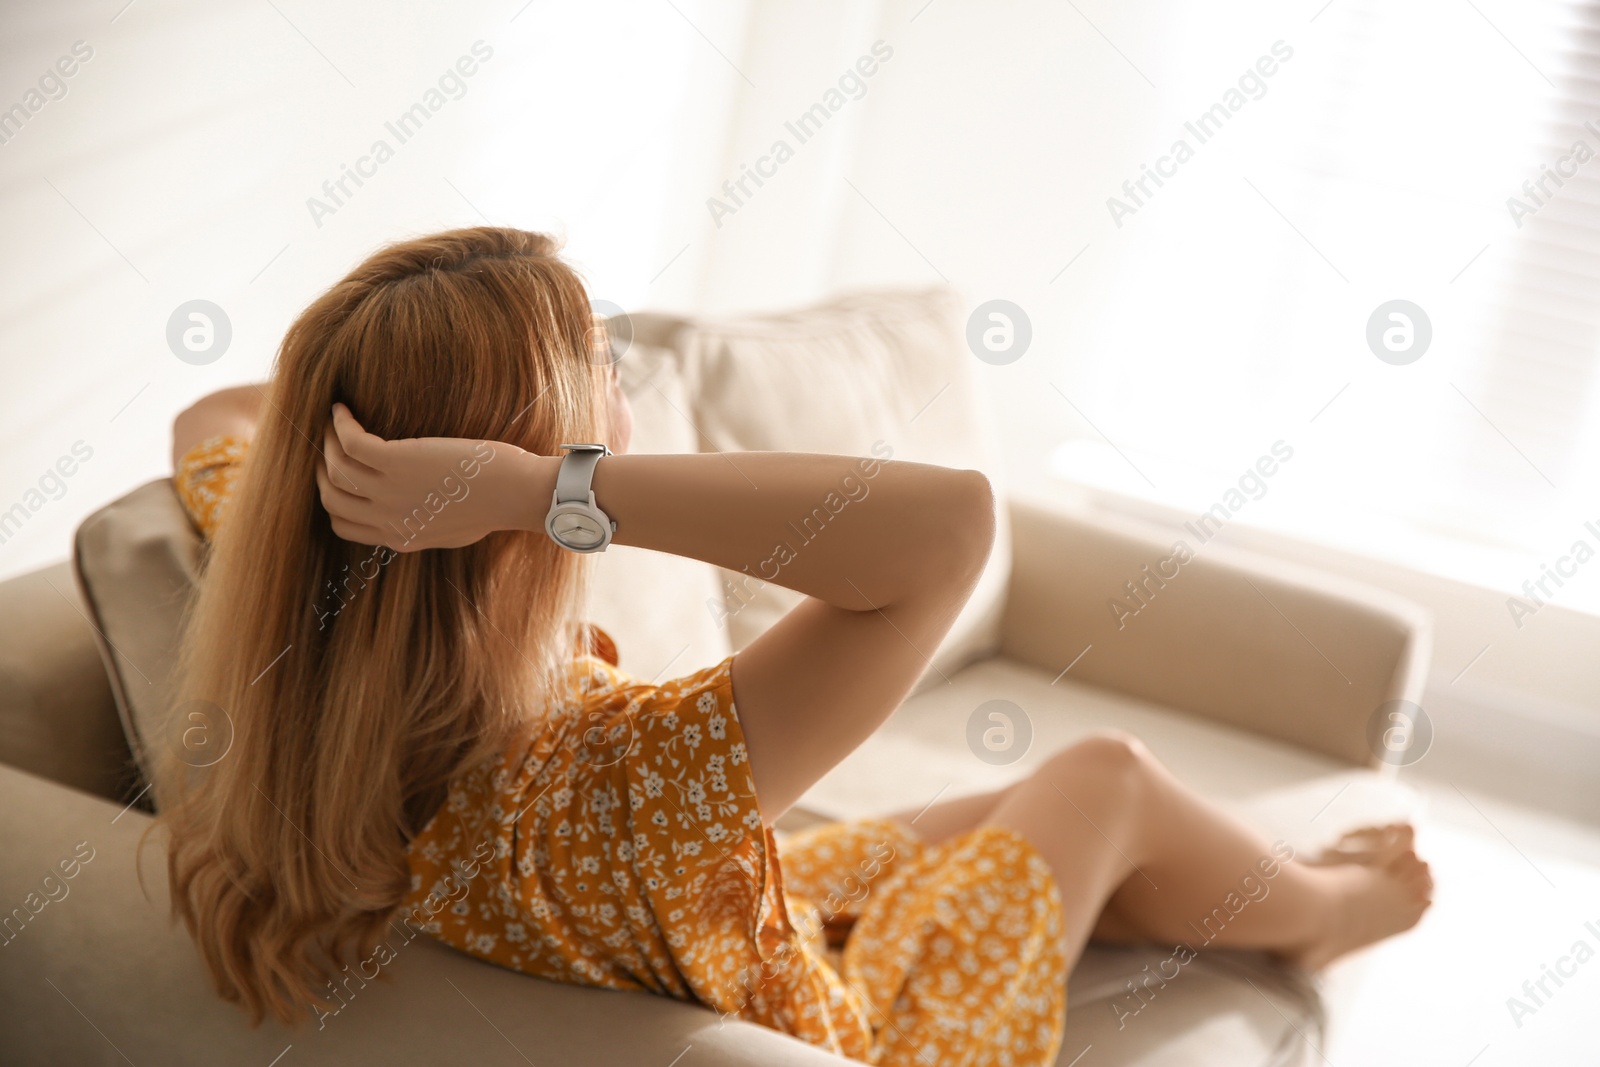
{"x": 620, "y": 844}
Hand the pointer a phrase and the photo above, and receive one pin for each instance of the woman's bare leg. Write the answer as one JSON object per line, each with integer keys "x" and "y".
{"x": 945, "y": 819}
{"x": 941, "y": 821}
{"x": 1139, "y": 857}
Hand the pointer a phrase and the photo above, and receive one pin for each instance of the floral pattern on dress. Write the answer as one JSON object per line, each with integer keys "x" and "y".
{"x": 206, "y": 477}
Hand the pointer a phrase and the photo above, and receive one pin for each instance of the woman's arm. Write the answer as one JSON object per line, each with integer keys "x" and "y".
{"x": 887, "y": 571}
{"x": 228, "y": 412}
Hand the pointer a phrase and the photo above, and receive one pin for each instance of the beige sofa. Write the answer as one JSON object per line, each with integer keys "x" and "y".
{"x": 1256, "y": 683}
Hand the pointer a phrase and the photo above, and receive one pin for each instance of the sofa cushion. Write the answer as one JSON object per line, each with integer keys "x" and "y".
{"x": 926, "y": 751}
{"x": 859, "y": 375}
{"x": 138, "y": 558}
{"x": 653, "y": 604}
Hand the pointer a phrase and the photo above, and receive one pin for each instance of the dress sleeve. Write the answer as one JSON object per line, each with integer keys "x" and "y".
{"x": 206, "y": 478}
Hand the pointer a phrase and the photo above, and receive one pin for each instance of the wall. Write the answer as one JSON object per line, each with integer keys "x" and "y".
{"x": 179, "y": 163}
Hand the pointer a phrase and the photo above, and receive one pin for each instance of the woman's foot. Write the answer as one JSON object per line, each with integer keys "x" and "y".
{"x": 1369, "y": 844}
{"x": 1376, "y": 887}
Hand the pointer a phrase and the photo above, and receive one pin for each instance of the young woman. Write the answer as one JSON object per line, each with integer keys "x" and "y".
{"x": 427, "y": 737}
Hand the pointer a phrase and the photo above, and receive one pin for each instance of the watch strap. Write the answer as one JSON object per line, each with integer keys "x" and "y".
{"x": 576, "y": 474}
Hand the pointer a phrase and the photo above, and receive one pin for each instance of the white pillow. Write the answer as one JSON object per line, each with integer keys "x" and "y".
{"x": 654, "y": 605}
{"x": 885, "y": 368}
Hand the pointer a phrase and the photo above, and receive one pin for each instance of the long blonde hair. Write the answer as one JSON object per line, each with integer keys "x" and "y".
{"x": 288, "y": 856}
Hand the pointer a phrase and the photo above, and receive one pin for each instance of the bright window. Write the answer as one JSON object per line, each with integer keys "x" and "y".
{"x": 1373, "y": 164}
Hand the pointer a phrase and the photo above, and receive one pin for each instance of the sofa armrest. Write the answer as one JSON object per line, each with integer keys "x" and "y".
{"x": 104, "y": 947}
{"x": 57, "y": 716}
{"x": 1283, "y": 651}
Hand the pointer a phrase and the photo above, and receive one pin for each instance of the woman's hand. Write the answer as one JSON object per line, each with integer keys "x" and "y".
{"x": 424, "y": 492}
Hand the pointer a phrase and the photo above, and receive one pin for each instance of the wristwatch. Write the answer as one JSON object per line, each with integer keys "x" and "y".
{"x": 574, "y": 521}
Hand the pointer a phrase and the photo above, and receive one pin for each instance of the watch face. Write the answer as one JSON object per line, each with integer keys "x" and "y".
{"x": 576, "y": 529}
